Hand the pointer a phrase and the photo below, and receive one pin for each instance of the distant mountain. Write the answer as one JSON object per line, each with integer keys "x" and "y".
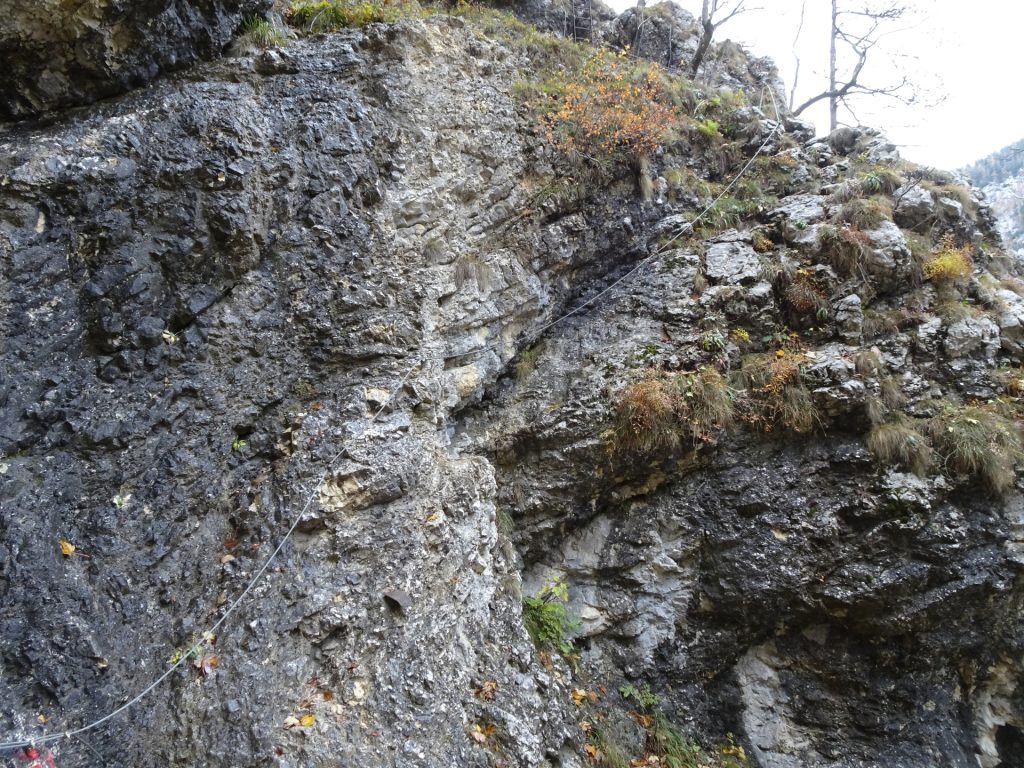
{"x": 999, "y": 166}
{"x": 1001, "y": 178}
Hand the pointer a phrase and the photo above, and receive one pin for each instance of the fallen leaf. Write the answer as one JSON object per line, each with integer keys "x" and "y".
{"x": 206, "y": 663}
{"x": 487, "y": 691}
{"x": 67, "y": 548}
{"x": 227, "y": 559}
{"x": 593, "y": 753}
{"x": 307, "y": 721}
{"x": 328, "y": 694}
{"x": 586, "y": 726}
{"x": 480, "y": 733}
{"x": 578, "y": 696}
{"x": 291, "y": 721}
{"x": 645, "y": 721}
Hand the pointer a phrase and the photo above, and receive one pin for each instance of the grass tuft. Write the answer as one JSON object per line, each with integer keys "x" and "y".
{"x": 260, "y": 33}
{"x": 900, "y": 443}
{"x": 978, "y": 442}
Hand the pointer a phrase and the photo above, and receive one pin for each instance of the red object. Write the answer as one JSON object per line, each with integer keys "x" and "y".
{"x": 33, "y": 757}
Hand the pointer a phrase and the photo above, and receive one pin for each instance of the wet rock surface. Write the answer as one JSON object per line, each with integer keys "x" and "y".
{"x": 316, "y": 285}
{"x": 56, "y": 55}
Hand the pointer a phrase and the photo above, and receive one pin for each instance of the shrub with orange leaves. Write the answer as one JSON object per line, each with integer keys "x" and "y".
{"x": 614, "y": 105}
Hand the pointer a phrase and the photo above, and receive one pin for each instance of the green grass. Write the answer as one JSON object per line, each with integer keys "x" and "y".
{"x": 332, "y": 15}
{"x": 260, "y": 33}
{"x": 547, "y": 620}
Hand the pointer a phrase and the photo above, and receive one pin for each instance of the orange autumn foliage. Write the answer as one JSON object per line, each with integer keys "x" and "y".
{"x": 613, "y": 106}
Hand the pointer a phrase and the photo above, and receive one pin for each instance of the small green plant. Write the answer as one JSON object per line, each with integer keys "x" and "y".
{"x": 726, "y": 213}
{"x": 880, "y": 180}
{"x": 547, "y": 620}
{"x": 668, "y": 745}
{"x": 608, "y": 752}
{"x": 504, "y": 523}
{"x": 706, "y": 404}
{"x": 713, "y": 341}
{"x": 238, "y": 444}
{"x": 644, "y": 698}
{"x": 196, "y": 648}
{"x": 707, "y": 127}
{"x": 527, "y": 362}
{"x": 260, "y": 33}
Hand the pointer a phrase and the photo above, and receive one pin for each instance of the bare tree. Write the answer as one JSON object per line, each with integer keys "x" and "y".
{"x": 859, "y": 31}
{"x": 796, "y": 57}
{"x": 714, "y": 13}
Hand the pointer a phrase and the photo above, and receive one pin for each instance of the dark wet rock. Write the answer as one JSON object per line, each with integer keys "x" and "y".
{"x": 316, "y": 287}
{"x": 58, "y": 55}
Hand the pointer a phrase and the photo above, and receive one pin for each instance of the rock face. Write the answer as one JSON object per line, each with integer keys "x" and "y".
{"x": 56, "y": 54}
{"x": 317, "y": 285}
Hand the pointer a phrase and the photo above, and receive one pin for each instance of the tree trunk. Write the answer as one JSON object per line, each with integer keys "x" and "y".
{"x": 833, "y": 101}
{"x": 705, "y": 39}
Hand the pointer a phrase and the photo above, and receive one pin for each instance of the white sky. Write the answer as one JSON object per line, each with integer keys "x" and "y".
{"x": 967, "y": 54}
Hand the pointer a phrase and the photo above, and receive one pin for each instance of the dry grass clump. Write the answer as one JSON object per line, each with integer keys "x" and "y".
{"x": 804, "y": 297}
{"x": 706, "y": 404}
{"x": 864, "y": 213}
{"x": 662, "y": 411}
{"x": 774, "y": 392}
{"x": 845, "y": 248}
{"x": 977, "y": 441}
{"x": 900, "y": 443}
{"x": 646, "y": 416}
{"x": 614, "y": 104}
{"x": 867, "y": 362}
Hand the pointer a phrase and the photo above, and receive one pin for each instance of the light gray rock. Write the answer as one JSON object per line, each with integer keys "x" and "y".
{"x": 849, "y": 317}
{"x": 731, "y": 260}
{"x": 976, "y": 337}
{"x": 1011, "y": 322}
{"x": 915, "y": 206}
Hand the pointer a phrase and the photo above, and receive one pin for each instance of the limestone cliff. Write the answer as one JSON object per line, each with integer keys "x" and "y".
{"x": 769, "y": 456}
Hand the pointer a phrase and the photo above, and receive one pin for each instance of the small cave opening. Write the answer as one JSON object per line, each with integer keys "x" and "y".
{"x": 1010, "y": 746}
